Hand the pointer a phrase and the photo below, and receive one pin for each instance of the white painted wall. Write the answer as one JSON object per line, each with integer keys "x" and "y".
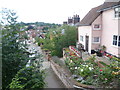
{"x": 110, "y": 28}
{"x": 83, "y": 31}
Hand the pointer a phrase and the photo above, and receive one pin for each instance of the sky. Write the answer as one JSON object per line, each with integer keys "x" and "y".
{"x": 49, "y": 11}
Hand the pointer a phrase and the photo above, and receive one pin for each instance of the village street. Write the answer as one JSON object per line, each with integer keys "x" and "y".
{"x": 52, "y": 81}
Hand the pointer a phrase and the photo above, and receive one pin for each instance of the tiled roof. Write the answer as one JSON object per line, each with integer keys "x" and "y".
{"x": 95, "y": 12}
{"x": 109, "y": 5}
{"x": 91, "y": 16}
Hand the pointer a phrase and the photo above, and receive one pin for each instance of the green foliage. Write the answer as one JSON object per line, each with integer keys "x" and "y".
{"x": 28, "y": 78}
{"x": 13, "y": 58}
{"x": 56, "y": 41}
{"x": 14, "y": 54}
{"x": 91, "y": 73}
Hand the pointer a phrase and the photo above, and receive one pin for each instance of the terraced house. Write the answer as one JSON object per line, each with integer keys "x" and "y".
{"x": 101, "y": 26}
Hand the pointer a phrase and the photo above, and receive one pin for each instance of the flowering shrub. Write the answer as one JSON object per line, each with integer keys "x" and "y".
{"x": 89, "y": 73}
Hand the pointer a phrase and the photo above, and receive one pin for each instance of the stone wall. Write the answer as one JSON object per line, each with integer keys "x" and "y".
{"x": 63, "y": 76}
{"x": 66, "y": 77}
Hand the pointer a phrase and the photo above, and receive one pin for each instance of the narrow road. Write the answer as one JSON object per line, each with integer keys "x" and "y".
{"x": 52, "y": 81}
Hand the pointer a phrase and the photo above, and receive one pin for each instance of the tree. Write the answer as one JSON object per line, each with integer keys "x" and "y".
{"x": 14, "y": 54}
{"x": 56, "y": 40}
{"x": 65, "y": 40}
{"x": 13, "y": 58}
{"x": 28, "y": 78}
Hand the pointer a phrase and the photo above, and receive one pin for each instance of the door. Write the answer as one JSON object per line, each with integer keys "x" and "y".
{"x": 87, "y": 43}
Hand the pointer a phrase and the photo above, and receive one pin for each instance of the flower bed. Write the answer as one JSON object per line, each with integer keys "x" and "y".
{"x": 88, "y": 72}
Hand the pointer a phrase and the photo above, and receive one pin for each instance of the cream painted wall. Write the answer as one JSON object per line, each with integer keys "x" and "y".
{"x": 110, "y": 28}
{"x": 83, "y": 31}
{"x": 97, "y": 33}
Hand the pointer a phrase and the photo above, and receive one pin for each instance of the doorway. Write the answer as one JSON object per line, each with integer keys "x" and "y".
{"x": 87, "y": 43}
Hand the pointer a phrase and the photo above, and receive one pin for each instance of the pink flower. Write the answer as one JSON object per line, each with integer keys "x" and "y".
{"x": 101, "y": 70}
{"x": 106, "y": 79}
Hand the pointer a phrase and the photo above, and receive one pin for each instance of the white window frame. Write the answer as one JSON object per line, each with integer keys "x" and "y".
{"x": 81, "y": 38}
{"x": 94, "y": 41}
{"x": 116, "y": 40}
{"x": 117, "y": 12}
{"x": 96, "y": 28}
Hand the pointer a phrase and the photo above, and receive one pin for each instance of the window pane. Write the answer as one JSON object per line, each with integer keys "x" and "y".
{"x": 117, "y": 12}
{"x": 119, "y": 44}
{"x": 119, "y": 41}
{"x": 96, "y": 39}
{"x": 96, "y": 26}
{"x": 81, "y": 38}
{"x": 114, "y": 40}
{"x": 115, "y": 37}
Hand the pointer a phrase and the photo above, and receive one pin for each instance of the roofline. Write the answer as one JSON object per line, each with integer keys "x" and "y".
{"x": 105, "y": 9}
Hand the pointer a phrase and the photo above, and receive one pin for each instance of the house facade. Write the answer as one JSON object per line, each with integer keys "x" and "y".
{"x": 101, "y": 27}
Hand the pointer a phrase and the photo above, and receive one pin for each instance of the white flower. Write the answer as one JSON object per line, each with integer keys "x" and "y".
{"x": 81, "y": 70}
{"x": 83, "y": 65}
{"x": 90, "y": 68}
{"x": 75, "y": 67}
{"x": 71, "y": 61}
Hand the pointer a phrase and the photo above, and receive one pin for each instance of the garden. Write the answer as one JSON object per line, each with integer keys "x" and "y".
{"x": 90, "y": 72}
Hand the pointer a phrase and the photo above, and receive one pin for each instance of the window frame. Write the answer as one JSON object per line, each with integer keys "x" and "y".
{"x": 117, "y": 12}
{"x": 96, "y": 28}
{"x": 81, "y": 38}
{"x": 94, "y": 41}
{"x": 116, "y": 42}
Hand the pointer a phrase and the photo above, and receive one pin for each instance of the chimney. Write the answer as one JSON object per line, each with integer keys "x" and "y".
{"x": 76, "y": 19}
{"x": 69, "y": 20}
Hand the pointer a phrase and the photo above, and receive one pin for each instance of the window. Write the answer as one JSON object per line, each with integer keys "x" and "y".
{"x": 96, "y": 26}
{"x": 81, "y": 38}
{"x": 115, "y": 40}
{"x": 117, "y": 12}
{"x": 119, "y": 42}
{"x": 96, "y": 39}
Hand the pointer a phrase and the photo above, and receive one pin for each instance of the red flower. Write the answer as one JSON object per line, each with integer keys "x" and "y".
{"x": 101, "y": 51}
{"x": 101, "y": 70}
{"x": 110, "y": 56}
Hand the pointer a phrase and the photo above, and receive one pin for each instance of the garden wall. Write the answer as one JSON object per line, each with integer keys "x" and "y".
{"x": 66, "y": 77}
{"x": 63, "y": 76}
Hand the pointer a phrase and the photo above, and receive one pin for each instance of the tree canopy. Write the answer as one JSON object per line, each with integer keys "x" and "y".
{"x": 59, "y": 38}
{"x": 14, "y": 53}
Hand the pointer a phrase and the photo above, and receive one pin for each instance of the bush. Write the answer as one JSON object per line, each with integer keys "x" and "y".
{"x": 28, "y": 78}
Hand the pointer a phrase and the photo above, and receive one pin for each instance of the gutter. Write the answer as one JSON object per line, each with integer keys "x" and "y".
{"x": 105, "y": 9}
{"x": 84, "y": 25}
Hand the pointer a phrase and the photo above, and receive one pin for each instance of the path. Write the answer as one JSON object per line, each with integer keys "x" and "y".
{"x": 52, "y": 81}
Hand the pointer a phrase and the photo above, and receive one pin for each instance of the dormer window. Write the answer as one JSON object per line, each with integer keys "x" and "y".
{"x": 96, "y": 27}
{"x": 117, "y": 12}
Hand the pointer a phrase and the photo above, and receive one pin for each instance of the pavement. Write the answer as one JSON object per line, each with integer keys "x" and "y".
{"x": 85, "y": 56}
{"x": 51, "y": 80}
